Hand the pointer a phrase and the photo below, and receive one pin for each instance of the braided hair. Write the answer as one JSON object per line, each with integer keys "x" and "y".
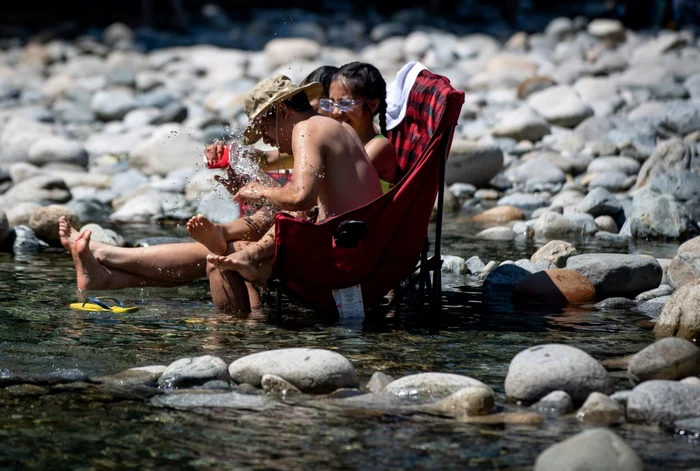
{"x": 323, "y": 75}
{"x": 365, "y": 80}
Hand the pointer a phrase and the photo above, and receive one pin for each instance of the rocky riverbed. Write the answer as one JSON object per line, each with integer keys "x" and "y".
{"x": 584, "y": 131}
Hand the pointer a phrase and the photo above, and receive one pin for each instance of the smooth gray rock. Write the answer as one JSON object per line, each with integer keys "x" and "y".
{"x": 311, "y": 370}
{"x": 600, "y": 202}
{"x": 378, "y": 382}
{"x": 662, "y": 402}
{"x": 598, "y": 449}
{"x": 551, "y": 225}
{"x": 658, "y": 216}
{"x": 669, "y": 358}
{"x": 618, "y": 274}
{"x": 601, "y": 409}
{"x": 431, "y": 385}
{"x": 556, "y": 252}
{"x": 615, "y": 304}
{"x": 193, "y": 371}
{"x": 653, "y": 307}
{"x": 663, "y": 290}
{"x": 230, "y": 400}
{"x": 555, "y": 403}
{"x": 539, "y": 370}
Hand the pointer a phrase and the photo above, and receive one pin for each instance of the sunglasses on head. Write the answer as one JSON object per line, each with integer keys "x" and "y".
{"x": 344, "y": 104}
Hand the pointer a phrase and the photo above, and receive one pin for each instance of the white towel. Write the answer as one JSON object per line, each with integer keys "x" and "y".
{"x": 397, "y": 93}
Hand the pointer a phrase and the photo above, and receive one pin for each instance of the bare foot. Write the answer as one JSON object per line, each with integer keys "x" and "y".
{"x": 237, "y": 261}
{"x": 67, "y": 233}
{"x": 91, "y": 275}
{"x": 207, "y": 233}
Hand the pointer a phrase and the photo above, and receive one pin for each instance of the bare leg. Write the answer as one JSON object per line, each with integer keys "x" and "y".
{"x": 91, "y": 275}
{"x": 208, "y": 234}
{"x": 216, "y": 236}
{"x": 228, "y": 291}
{"x": 249, "y": 262}
{"x": 171, "y": 263}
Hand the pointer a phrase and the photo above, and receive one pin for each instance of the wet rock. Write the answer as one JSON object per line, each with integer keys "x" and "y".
{"x": 615, "y": 304}
{"x": 657, "y": 216}
{"x": 601, "y": 409}
{"x": 462, "y": 190}
{"x": 600, "y": 202}
{"x": 378, "y": 382}
{"x": 147, "y": 376}
{"x": 680, "y": 316}
{"x": 554, "y": 287}
{"x": 44, "y": 222}
{"x": 453, "y": 264}
{"x": 662, "y": 402}
{"x": 431, "y": 385}
{"x": 692, "y": 380}
{"x": 663, "y": 290}
{"x": 504, "y": 418}
{"x": 193, "y": 371}
{"x": 555, "y": 252}
{"x": 618, "y": 274}
{"x": 522, "y": 124}
{"x": 669, "y": 358}
{"x": 560, "y": 105}
{"x": 230, "y": 400}
{"x": 469, "y": 401}
{"x": 552, "y": 225}
{"x": 499, "y": 282}
{"x": 497, "y": 234}
{"x": 475, "y": 265}
{"x": 500, "y": 215}
{"x": 24, "y": 390}
{"x": 276, "y": 385}
{"x": 689, "y": 428}
{"x": 25, "y": 241}
{"x": 653, "y": 307}
{"x": 539, "y": 370}
{"x": 685, "y": 266}
{"x": 555, "y": 403}
{"x": 4, "y": 227}
{"x": 607, "y": 224}
{"x": 314, "y": 371}
{"x": 473, "y": 163}
{"x": 596, "y": 449}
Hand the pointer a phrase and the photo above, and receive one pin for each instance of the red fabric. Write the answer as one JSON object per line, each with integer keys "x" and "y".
{"x": 307, "y": 262}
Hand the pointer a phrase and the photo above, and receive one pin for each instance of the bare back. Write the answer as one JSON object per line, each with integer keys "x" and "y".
{"x": 331, "y": 156}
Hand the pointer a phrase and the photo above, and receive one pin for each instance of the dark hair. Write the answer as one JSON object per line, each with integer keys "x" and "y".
{"x": 323, "y": 75}
{"x": 365, "y": 80}
{"x": 299, "y": 103}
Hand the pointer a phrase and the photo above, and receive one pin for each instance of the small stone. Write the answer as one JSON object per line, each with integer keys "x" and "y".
{"x": 378, "y": 382}
{"x": 556, "y": 403}
{"x": 554, "y": 251}
{"x": 601, "y": 409}
{"x": 193, "y": 371}
{"x": 276, "y": 385}
{"x": 500, "y": 215}
{"x": 471, "y": 401}
{"x": 615, "y": 304}
{"x": 669, "y": 358}
{"x": 504, "y": 418}
{"x": 692, "y": 380}
{"x": 431, "y": 385}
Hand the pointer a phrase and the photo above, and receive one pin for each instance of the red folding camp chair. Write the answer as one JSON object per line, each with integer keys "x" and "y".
{"x": 379, "y": 245}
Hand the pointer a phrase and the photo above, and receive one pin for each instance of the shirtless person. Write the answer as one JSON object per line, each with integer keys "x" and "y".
{"x": 331, "y": 173}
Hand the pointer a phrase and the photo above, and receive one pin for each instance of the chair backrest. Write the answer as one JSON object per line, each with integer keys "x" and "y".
{"x": 430, "y": 104}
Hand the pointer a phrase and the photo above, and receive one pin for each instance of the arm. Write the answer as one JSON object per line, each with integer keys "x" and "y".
{"x": 301, "y": 193}
{"x": 383, "y": 157}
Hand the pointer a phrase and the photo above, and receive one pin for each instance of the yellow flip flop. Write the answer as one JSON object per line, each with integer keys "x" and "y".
{"x": 97, "y": 305}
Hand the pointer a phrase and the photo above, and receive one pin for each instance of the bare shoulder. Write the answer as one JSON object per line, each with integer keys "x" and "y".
{"x": 315, "y": 128}
{"x": 380, "y": 146}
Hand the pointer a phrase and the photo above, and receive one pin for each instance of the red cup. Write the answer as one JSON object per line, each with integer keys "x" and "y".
{"x": 222, "y": 161}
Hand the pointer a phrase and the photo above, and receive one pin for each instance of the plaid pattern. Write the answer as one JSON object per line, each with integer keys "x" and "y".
{"x": 427, "y": 105}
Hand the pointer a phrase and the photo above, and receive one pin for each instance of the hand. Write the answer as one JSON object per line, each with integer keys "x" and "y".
{"x": 251, "y": 192}
{"x": 213, "y": 152}
{"x": 233, "y": 182}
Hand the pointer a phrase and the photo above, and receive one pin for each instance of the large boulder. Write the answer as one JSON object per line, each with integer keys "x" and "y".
{"x": 522, "y": 124}
{"x": 658, "y": 216}
{"x": 539, "y": 370}
{"x": 669, "y": 358}
{"x": 685, "y": 266}
{"x": 618, "y": 274}
{"x": 560, "y": 105}
{"x": 662, "y": 401}
{"x": 680, "y": 316}
{"x": 670, "y": 155}
{"x": 474, "y": 163}
{"x": 311, "y": 370}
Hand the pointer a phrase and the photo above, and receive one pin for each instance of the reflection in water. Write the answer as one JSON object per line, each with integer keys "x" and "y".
{"x": 39, "y": 333}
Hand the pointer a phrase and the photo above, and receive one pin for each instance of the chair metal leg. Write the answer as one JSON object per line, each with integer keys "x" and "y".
{"x": 423, "y": 275}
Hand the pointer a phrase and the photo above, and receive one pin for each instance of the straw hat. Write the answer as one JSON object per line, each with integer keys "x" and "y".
{"x": 267, "y": 93}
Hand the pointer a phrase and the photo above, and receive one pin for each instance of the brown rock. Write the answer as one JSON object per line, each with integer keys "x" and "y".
{"x": 44, "y": 222}
{"x": 557, "y": 286}
{"x": 555, "y": 252}
{"x": 681, "y": 314}
{"x": 500, "y": 215}
{"x": 534, "y": 84}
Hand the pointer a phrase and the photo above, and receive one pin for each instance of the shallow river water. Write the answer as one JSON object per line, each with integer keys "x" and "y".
{"x": 74, "y": 429}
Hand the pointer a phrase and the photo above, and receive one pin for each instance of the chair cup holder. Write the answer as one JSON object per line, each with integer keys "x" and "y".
{"x": 350, "y": 233}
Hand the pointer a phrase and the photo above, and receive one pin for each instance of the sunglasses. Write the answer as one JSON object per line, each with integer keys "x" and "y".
{"x": 344, "y": 104}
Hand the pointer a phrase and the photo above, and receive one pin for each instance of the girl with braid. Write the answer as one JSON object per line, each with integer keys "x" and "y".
{"x": 357, "y": 93}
